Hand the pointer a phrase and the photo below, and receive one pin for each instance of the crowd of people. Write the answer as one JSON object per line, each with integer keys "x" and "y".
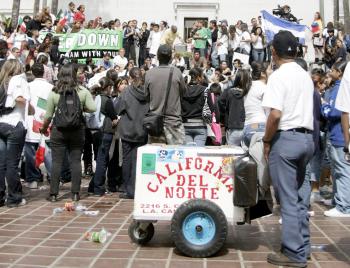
{"x": 99, "y": 113}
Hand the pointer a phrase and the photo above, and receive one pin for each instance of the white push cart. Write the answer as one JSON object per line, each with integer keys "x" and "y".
{"x": 191, "y": 187}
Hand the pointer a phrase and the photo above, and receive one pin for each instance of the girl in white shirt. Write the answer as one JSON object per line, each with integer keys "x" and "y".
{"x": 255, "y": 117}
{"x": 258, "y": 44}
{"x": 14, "y": 98}
{"x": 222, "y": 44}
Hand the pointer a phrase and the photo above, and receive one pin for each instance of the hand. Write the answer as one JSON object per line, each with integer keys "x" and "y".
{"x": 115, "y": 122}
{"x": 44, "y": 131}
{"x": 267, "y": 149}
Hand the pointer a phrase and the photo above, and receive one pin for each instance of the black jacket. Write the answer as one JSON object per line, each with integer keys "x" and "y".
{"x": 107, "y": 109}
{"x": 133, "y": 107}
{"x": 231, "y": 105}
{"x": 192, "y": 102}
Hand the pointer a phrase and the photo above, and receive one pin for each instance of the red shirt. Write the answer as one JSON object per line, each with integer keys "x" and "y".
{"x": 79, "y": 16}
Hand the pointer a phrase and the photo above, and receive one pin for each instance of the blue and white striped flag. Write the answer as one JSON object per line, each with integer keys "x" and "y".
{"x": 272, "y": 25}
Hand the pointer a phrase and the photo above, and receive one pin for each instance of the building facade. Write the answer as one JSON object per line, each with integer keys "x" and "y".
{"x": 183, "y": 12}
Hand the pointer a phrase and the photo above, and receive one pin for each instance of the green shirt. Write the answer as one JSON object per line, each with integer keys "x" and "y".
{"x": 203, "y": 34}
{"x": 86, "y": 100}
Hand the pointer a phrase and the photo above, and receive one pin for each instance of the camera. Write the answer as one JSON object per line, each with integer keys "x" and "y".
{"x": 284, "y": 13}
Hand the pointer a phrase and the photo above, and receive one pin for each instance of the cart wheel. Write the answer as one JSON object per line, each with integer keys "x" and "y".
{"x": 141, "y": 233}
{"x": 199, "y": 228}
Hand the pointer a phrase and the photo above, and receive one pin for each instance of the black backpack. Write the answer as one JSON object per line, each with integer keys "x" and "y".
{"x": 69, "y": 114}
{"x": 3, "y": 96}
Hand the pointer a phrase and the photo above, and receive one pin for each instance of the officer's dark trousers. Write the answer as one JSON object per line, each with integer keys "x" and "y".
{"x": 290, "y": 153}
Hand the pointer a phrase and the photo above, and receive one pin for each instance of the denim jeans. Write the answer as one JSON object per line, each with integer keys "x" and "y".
{"x": 234, "y": 136}
{"x": 223, "y": 57}
{"x": 196, "y": 135}
{"x": 258, "y": 55}
{"x": 250, "y": 130}
{"x": 62, "y": 141}
{"x": 215, "y": 58}
{"x": 290, "y": 153}
{"x": 341, "y": 170}
{"x": 11, "y": 146}
{"x": 31, "y": 172}
{"x": 97, "y": 183}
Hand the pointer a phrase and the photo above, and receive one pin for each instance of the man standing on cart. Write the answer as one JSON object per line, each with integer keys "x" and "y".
{"x": 288, "y": 146}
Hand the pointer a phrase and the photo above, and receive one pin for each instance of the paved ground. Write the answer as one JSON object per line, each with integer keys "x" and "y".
{"x": 33, "y": 237}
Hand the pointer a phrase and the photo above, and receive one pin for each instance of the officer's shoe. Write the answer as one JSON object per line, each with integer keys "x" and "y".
{"x": 280, "y": 259}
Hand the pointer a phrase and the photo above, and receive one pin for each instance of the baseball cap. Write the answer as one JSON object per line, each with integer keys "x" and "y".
{"x": 285, "y": 44}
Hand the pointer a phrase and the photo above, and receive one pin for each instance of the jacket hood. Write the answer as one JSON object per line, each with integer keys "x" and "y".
{"x": 237, "y": 92}
{"x": 138, "y": 93}
{"x": 193, "y": 92}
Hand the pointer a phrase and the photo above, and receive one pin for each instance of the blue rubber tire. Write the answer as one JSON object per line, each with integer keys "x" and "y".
{"x": 199, "y": 228}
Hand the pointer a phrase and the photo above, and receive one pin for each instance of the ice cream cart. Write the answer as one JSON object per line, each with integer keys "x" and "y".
{"x": 193, "y": 187}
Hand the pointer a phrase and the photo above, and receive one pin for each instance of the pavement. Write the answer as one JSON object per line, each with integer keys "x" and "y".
{"x": 32, "y": 236}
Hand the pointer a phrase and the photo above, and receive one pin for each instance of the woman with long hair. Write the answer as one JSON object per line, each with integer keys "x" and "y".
{"x": 318, "y": 41}
{"x": 255, "y": 117}
{"x": 340, "y": 167}
{"x": 222, "y": 44}
{"x": 192, "y": 104}
{"x": 67, "y": 138}
{"x": 132, "y": 110}
{"x": 14, "y": 100}
{"x": 231, "y": 105}
{"x": 97, "y": 184}
{"x": 258, "y": 45}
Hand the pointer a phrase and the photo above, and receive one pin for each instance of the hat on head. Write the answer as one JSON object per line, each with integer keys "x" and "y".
{"x": 285, "y": 44}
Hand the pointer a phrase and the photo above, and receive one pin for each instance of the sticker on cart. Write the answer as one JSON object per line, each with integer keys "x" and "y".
{"x": 227, "y": 165}
{"x": 170, "y": 156}
{"x": 148, "y": 164}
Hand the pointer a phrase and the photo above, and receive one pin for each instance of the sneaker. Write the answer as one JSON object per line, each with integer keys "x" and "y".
{"x": 316, "y": 197}
{"x": 282, "y": 260}
{"x": 125, "y": 196}
{"x": 280, "y": 221}
{"x": 15, "y": 205}
{"x": 32, "y": 185}
{"x": 336, "y": 213}
{"x": 311, "y": 213}
{"x": 328, "y": 202}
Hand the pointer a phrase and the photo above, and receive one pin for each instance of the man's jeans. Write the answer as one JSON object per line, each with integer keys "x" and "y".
{"x": 11, "y": 146}
{"x": 341, "y": 171}
{"x": 97, "y": 183}
{"x": 32, "y": 173}
{"x": 234, "y": 136}
{"x": 290, "y": 153}
{"x": 196, "y": 135}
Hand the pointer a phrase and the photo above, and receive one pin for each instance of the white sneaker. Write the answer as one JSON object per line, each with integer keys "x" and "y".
{"x": 32, "y": 185}
{"x": 280, "y": 221}
{"x": 311, "y": 213}
{"x": 336, "y": 213}
{"x": 328, "y": 202}
{"x": 316, "y": 197}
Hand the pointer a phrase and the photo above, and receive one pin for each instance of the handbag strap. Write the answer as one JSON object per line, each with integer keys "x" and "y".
{"x": 213, "y": 100}
{"x": 168, "y": 90}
